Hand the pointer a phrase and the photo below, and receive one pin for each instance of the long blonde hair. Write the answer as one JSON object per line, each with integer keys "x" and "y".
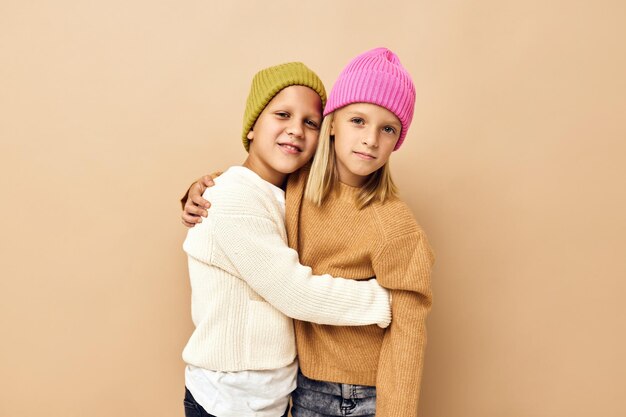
{"x": 324, "y": 176}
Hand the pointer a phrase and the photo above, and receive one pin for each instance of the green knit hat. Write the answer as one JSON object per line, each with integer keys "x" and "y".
{"x": 268, "y": 82}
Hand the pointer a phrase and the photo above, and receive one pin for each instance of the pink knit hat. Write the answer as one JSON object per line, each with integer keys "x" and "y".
{"x": 376, "y": 77}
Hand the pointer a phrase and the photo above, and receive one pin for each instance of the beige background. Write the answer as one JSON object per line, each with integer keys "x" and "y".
{"x": 514, "y": 166}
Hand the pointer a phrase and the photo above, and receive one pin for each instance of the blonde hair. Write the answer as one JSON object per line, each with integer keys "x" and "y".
{"x": 324, "y": 176}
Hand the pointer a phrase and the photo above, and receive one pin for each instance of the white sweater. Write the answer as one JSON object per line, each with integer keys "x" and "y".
{"x": 246, "y": 283}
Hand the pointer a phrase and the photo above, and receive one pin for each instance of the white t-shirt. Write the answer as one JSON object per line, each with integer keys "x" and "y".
{"x": 245, "y": 393}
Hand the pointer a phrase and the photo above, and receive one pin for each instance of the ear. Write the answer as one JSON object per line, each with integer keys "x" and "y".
{"x": 332, "y": 128}
{"x": 250, "y": 135}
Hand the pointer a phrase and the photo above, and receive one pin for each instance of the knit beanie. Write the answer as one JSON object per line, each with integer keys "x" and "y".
{"x": 376, "y": 77}
{"x": 269, "y": 82}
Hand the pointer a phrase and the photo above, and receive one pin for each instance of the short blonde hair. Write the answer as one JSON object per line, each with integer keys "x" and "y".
{"x": 324, "y": 176}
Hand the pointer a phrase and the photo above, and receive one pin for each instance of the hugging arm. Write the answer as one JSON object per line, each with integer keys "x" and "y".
{"x": 403, "y": 267}
{"x": 274, "y": 271}
{"x": 252, "y": 247}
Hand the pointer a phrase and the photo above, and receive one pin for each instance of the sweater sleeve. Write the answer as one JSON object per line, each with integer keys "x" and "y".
{"x": 252, "y": 247}
{"x": 403, "y": 266}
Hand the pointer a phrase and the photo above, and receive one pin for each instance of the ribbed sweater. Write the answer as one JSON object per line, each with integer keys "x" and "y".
{"x": 381, "y": 240}
{"x": 246, "y": 283}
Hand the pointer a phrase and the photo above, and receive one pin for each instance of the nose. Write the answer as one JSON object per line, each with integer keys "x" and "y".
{"x": 295, "y": 129}
{"x": 370, "y": 139}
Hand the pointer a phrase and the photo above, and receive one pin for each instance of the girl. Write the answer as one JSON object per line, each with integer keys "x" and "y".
{"x": 343, "y": 216}
{"x": 246, "y": 282}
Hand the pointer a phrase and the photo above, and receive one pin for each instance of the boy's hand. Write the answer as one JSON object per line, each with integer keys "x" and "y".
{"x": 194, "y": 205}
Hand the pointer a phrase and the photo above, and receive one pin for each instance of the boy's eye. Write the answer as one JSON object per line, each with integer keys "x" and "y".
{"x": 312, "y": 123}
{"x": 389, "y": 129}
{"x": 357, "y": 120}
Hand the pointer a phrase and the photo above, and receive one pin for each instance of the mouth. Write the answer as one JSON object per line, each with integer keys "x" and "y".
{"x": 290, "y": 148}
{"x": 364, "y": 155}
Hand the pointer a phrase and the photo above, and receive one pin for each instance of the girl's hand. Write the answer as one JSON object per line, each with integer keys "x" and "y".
{"x": 195, "y": 207}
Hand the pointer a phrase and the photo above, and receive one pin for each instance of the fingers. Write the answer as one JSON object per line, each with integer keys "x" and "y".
{"x": 187, "y": 224}
{"x": 195, "y": 210}
{"x": 207, "y": 181}
{"x": 197, "y": 188}
{"x": 190, "y": 220}
{"x": 199, "y": 201}
{"x": 196, "y": 206}
{"x": 195, "y": 194}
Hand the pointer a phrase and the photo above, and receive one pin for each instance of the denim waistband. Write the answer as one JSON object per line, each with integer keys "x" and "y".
{"x": 346, "y": 391}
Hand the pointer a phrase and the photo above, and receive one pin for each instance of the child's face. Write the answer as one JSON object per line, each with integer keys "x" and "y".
{"x": 285, "y": 135}
{"x": 365, "y": 135}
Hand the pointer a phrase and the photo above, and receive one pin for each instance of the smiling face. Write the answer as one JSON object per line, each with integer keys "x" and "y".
{"x": 285, "y": 135}
{"x": 365, "y": 135}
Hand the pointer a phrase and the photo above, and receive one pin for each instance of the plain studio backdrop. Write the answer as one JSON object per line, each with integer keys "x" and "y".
{"x": 514, "y": 166}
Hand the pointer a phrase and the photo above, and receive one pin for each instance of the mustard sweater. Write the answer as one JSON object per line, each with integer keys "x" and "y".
{"x": 381, "y": 240}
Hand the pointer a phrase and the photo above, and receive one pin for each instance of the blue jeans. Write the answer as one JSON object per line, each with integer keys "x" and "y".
{"x": 193, "y": 409}
{"x": 322, "y": 399}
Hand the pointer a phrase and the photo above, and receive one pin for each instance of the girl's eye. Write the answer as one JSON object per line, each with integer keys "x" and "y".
{"x": 357, "y": 121}
{"x": 282, "y": 114}
{"x": 389, "y": 129}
